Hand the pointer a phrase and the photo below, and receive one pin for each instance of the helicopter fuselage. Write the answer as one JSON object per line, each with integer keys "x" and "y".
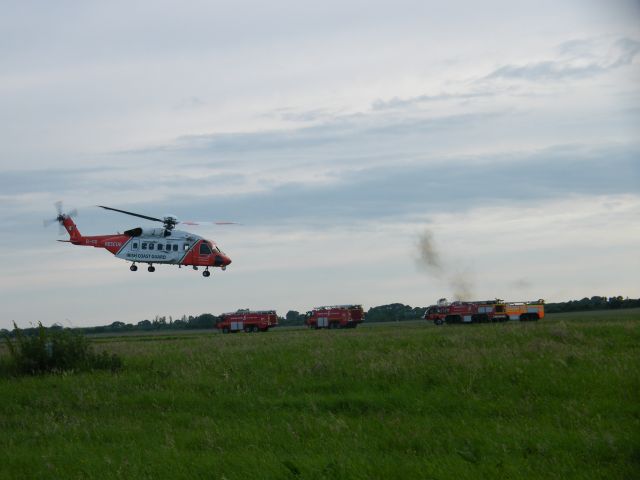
{"x": 154, "y": 246}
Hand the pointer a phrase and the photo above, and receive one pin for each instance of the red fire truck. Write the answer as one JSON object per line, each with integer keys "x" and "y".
{"x": 247, "y": 320}
{"x": 483, "y": 311}
{"x": 335, "y": 316}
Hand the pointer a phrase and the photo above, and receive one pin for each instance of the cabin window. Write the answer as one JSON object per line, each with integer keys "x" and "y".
{"x": 144, "y": 245}
{"x": 134, "y": 245}
{"x": 205, "y": 249}
{"x": 151, "y": 246}
{"x": 159, "y": 246}
{"x": 175, "y": 247}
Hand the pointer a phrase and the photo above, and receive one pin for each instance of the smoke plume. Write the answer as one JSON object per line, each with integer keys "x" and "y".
{"x": 430, "y": 260}
{"x": 429, "y": 257}
{"x": 462, "y": 286}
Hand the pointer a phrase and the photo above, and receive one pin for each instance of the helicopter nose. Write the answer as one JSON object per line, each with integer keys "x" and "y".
{"x": 221, "y": 261}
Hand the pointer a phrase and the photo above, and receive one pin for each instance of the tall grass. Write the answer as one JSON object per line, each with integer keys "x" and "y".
{"x": 552, "y": 399}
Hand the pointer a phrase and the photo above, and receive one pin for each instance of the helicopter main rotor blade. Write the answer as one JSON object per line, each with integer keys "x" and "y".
{"x": 133, "y": 214}
{"x": 206, "y": 222}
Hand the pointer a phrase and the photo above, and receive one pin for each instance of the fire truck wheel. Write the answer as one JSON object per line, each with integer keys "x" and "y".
{"x": 225, "y": 330}
{"x": 247, "y": 329}
{"x": 438, "y": 321}
{"x": 255, "y": 329}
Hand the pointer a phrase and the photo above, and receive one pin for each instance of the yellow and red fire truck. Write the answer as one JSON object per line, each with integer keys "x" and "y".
{"x": 483, "y": 311}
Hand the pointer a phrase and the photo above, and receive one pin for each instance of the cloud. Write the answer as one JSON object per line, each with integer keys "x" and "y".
{"x": 397, "y": 191}
{"x": 189, "y": 103}
{"x": 276, "y": 157}
{"x": 397, "y": 102}
{"x": 578, "y": 59}
{"x": 549, "y": 70}
{"x": 305, "y": 116}
{"x": 629, "y": 48}
{"x": 338, "y": 194}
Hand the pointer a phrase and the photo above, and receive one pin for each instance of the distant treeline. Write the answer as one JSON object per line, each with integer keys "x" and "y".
{"x": 395, "y": 312}
{"x": 593, "y": 303}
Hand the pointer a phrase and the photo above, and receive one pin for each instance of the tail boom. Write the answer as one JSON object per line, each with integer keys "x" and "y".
{"x": 75, "y": 236}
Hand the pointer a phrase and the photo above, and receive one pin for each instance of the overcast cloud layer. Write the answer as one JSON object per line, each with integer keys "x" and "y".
{"x": 336, "y": 134}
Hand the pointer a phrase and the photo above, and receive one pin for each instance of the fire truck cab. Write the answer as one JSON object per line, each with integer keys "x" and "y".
{"x": 335, "y": 316}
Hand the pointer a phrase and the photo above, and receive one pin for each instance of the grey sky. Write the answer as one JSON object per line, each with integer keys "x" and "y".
{"x": 336, "y": 134}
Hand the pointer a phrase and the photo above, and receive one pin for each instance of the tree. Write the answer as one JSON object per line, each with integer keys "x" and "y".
{"x": 616, "y": 302}
{"x": 394, "y": 312}
{"x": 292, "y": 318}
{"x": 144, "y": 325}
{"x": 206, "y": 320}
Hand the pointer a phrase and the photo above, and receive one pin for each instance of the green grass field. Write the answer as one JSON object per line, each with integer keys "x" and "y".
{"x": 554, "y": 399}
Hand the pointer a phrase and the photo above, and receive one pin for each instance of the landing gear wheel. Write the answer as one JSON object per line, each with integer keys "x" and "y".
{"x": 206, "y": 273}
{"x": 133, "y": 267}
{"x": 151, "y": 268}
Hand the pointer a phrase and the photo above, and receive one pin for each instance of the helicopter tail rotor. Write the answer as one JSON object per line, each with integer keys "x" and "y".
{"x": 61, "y": 217}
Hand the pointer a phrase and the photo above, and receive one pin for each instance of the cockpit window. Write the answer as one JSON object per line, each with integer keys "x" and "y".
{"x": 205, "y": 249}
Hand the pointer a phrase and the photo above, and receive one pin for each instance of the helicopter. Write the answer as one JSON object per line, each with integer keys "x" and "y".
{"x": 164, "y": 245}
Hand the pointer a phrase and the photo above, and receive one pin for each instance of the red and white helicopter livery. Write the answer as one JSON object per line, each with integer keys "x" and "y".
{"x": 150, "y": 245}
